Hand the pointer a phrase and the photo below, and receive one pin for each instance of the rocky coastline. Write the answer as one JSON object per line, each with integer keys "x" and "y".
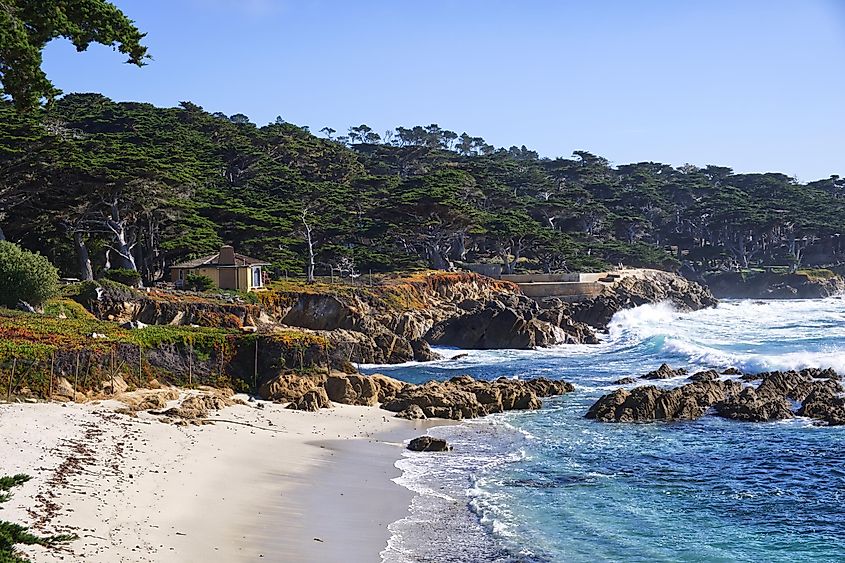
{"x": 808, "y": 284}
{"x": 399, "y": 320}
{"x": 779, "y": 395}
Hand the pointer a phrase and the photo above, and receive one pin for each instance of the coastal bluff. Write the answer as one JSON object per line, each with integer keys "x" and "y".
{"x": 400, "y": 317}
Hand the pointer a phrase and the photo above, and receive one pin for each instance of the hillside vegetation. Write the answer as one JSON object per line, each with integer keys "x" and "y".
{"x": 93, "y": 184}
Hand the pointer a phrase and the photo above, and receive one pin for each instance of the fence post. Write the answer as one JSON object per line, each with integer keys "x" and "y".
{"x": 222, "y": 354}
{"x": 75, "y": 377}
{"x": 191, "y": 362}
{"x": 11, "y": 378}
{"x": 111, "y": 369}
{"x": 52, "y": 368}
{"x": 255, "y": 368}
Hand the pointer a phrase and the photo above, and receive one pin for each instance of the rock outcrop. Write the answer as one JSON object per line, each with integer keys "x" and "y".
{"x": 464, "y": 397}
{"x": 313, "y": 400}
{"x": 664, "y": 372}
{"x": 428, "y": 444}
{"x": 773, "y": 285}
{"x": 460, "y": 397}
{"x": 649, "y": 286}
{"x": 649, "y": 403}
{"x": 819, "y": 392}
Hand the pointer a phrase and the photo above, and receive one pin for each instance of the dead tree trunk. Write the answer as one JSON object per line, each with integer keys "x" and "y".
{"x": 309, "y": 241}
{"x": 86, "y": 273}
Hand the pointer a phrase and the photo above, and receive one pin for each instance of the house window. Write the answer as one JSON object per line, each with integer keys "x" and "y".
{"x": 256, "y": 277}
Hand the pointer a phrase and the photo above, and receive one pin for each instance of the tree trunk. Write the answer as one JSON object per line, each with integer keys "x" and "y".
{"x": 86, "y": 273}
{"x": 2, "y": 234}
{"x": 122, "y": 247}
{"x": 309, "y": 266}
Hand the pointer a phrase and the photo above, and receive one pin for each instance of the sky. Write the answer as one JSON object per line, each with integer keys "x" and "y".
{"x": 757, "y": 85}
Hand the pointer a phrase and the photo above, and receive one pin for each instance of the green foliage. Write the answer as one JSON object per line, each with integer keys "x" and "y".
{"x": 15, "y": 534}
{"x": 26, "y": 26}
{"x": 186, "y": 181}
{"x": 25, "y": 276}
{"x": 198, "y": 282}
{"x": 124, "y": 276}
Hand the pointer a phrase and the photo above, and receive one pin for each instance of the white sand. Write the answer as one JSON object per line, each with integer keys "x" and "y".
{"x": 138, "y": 490}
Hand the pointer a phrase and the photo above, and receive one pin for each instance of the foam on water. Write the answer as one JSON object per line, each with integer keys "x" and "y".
{"x": 549, "y": 485}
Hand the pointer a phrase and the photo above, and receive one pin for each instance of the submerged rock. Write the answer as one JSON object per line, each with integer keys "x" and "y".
{"x": 429, "y": 444}
{"x": 625, "y": 381}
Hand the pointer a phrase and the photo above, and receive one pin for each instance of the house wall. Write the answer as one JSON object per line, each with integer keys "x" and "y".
{"x": 243, "y": 276}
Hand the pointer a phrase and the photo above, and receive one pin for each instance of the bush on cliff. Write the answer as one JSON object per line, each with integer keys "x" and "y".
{"x": 25, "y": 276}
{"x": 14, "y": 534}
{"x": 198, "y": 282}
{"x": 124, "y": 275}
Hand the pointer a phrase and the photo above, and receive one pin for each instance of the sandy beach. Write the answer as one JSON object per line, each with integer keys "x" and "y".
{"x": 261, "y": 483}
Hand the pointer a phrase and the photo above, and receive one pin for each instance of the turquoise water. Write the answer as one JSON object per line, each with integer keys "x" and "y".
{"x": 549, "y": 485}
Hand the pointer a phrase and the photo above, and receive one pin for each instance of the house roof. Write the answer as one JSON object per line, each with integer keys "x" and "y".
{"x": 213, "y": 260}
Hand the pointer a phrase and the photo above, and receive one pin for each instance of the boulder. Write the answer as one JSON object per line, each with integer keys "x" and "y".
{"x": 413, "y": 412}
{"x": 732, "y": 371}
{"x": 313, "y": 400}
{"x": 428, "y": 444}
{"x": 423, "y": 352}
{"x": 625, "y": 381}
{"x": 352, "y": 389}
{"x": 288, "y": 387}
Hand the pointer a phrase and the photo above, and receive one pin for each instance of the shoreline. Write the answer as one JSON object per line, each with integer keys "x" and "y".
{"x": 262, "y": 482}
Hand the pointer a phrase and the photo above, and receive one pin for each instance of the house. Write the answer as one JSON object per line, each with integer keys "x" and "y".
{"x": 227, "y": 269}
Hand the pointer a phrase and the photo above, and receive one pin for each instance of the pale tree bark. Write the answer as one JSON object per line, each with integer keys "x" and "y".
{"x": 86, "y": 272}
{"x": 121, "y": 247}
{"x": 309, "y": 241}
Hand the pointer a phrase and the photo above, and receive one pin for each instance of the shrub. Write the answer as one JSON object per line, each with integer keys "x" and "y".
{"x": 198, "y": 282}
{"x": 25, "y": 276}
{"x": 15, "y": 534}
{"x": 124, "y": 275}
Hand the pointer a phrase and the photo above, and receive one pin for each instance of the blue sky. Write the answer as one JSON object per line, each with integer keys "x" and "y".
{"x": 757, "y": 85}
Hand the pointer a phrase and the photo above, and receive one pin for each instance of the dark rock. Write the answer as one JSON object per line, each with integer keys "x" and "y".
{"x": 429, "y": 444}
{"x": 707, "y": 375}
{"x": 649, "y": 403}
{"x": 731, "y": 371}
{"x": 625, "y": 381}
{"x": 496, "y": 326}
{"x": 464, "y": 397}
{"x": 824, "y": 405}
{"x": 664, "y": 372}
{"x": 750, "y": 406}
{"x": 423, "y": 352}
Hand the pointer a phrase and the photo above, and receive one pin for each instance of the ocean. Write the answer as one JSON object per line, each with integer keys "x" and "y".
{"x": 549, "y": 485}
